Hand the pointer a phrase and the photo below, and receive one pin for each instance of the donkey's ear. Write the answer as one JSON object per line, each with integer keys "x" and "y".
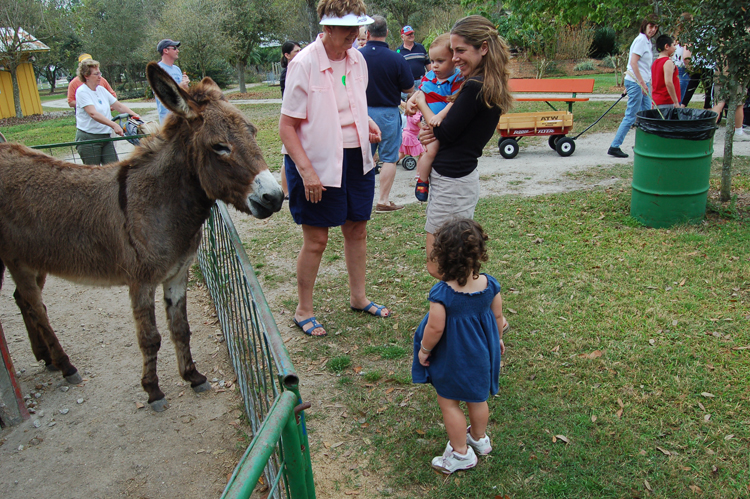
{"x": 168, "y": 92}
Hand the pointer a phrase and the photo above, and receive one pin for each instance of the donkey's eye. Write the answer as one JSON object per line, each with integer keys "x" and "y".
{"x": 222, "y": 149}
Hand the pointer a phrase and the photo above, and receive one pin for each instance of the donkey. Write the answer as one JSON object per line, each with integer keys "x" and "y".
{"x": 135, "y": 223}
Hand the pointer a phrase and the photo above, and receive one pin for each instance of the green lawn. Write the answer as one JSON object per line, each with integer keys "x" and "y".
{"x": 627, "y": 360}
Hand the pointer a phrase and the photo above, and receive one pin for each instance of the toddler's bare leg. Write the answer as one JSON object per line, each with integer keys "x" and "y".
{"x": 455, "y": 423}
{"x": 424, "y": 164}
{"x": 479, "y": 415}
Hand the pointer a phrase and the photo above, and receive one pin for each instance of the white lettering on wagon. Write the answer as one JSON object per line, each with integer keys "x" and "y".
{"x": 517, "y": 132}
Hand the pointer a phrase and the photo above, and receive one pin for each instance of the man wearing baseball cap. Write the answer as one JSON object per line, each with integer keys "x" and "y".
{"x": 414, "y": 53}
{"x": 170, "y": 51}
{"x": 76, "y": 82}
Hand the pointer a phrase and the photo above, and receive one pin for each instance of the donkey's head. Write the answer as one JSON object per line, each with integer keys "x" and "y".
{"x": 221, "y": 142}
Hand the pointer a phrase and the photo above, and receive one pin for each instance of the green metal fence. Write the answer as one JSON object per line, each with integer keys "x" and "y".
{"x": 69, "y": 151}
{"x": 267, "y": 379}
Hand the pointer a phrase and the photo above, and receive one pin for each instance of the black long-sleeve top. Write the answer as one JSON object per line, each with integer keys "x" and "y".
{"x": 464, "y": 132}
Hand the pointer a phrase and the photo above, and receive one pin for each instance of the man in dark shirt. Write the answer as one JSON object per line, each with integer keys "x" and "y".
{"x": 414, "y": 53}
{"x": 389, "y": 75}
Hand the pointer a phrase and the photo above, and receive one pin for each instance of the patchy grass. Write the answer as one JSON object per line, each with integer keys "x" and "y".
{"x": 630, "y": 343}
{"x": 263, "y": 91}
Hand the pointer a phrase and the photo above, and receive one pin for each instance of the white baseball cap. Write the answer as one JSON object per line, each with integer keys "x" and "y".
{"x": 350, "y": 19}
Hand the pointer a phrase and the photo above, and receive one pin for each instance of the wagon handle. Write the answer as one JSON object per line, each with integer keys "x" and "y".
{"x": 602, "y": 116}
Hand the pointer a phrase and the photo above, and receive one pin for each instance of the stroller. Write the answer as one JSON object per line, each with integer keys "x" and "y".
{"x": 135, "y": 127}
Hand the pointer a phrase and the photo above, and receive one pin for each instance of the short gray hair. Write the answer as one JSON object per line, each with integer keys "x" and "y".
{"x": 379, "y": 28}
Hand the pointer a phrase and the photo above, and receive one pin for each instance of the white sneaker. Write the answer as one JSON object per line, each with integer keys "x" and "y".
{"x": 481, "y": 446}
{"x": 741, "y": 136}
{"x": 452, "y": 461}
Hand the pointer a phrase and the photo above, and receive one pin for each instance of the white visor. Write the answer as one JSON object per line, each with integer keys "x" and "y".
{"x": 350, "y": 19}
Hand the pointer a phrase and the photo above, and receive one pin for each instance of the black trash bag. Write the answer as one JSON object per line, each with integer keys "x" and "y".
{"x": 678, "y": 123}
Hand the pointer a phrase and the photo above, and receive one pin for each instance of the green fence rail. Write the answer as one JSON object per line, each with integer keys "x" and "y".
{"x": 267, "y": 379}
{"x": 67, "y": 150}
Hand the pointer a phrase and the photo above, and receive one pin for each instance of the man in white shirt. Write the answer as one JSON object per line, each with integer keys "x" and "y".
{"x": 170, "y": 51}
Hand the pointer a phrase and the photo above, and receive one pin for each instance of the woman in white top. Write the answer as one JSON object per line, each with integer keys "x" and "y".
{"x": 93, "y": 116}
{"x": 637, "y": 82}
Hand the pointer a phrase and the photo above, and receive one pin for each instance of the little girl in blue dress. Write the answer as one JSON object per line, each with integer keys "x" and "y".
{"x": 457, "y": 346}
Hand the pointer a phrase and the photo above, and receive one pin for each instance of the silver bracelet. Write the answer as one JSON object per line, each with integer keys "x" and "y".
{"x": 423, "y": 348}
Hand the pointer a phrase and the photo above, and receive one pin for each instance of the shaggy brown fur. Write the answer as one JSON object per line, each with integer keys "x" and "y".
{"x": 134, "y": 223}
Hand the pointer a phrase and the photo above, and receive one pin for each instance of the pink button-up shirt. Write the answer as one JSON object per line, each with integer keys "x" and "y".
{"x": 309, "y": 96}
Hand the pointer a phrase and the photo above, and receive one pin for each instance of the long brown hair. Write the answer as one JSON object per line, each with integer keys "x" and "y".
{"x": 494, "y": 68}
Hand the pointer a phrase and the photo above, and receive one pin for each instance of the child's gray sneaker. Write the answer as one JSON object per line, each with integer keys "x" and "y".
{"x": 452, "y": 461}
{"x": 481, "y": 446}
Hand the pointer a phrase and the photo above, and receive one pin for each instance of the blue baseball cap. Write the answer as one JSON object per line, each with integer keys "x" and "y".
{"x": 406, "y": 30}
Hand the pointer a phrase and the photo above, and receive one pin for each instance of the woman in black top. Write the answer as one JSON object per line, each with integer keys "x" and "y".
{"x": 482, "y": 56}
{"x": 288, "y": 51}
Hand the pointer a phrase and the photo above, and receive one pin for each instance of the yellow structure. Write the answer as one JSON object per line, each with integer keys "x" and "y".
{"x": 29, "y": 94}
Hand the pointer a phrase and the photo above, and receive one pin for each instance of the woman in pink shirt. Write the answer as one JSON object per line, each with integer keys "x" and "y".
{"x": 326, "y": 134}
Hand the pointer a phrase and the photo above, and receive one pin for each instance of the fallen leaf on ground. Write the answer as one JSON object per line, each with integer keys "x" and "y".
{"x": 648, "y": 486}
{"x": 563, "y": 438}
{"x": 707, "y": 395}
{"x": 664, "y": 451}
{"x": 696, "y": 489}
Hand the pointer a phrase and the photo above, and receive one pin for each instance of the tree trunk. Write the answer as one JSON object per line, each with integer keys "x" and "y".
{"x": 16, "y": 92}
{"x": 726, "y": 166}
{"x": 241, "y": 65}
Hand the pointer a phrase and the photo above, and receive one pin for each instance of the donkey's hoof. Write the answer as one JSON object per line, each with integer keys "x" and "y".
{"x": 74, "y": 379}
{"x": 159, "y": 405}
{"x": 203, "y": 387}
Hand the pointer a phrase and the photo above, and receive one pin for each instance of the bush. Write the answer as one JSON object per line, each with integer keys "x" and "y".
{"x": 604, "y": 43}
{"x": 584, "y": 66}
{"x": 608, "y": 62}
{"x": 574, "y": 42}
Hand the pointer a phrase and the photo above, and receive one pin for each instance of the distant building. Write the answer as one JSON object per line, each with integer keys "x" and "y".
{"x": 28, "y": 92}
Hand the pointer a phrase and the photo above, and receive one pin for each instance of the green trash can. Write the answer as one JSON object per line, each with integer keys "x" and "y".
{"x": 671, "y": 166}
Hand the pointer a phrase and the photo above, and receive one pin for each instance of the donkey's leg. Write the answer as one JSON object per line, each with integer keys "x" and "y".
{"x": 142, "y": 301}
{"x": 175, "y": 302}
{"x": 44, "y": 342}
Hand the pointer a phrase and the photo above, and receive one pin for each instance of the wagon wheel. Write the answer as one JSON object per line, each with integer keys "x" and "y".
{"x": 553, "y": 141}
{"x": 508, "y": 148}
{"x": 409, "y": 163}
{"x": 565, "y": 146}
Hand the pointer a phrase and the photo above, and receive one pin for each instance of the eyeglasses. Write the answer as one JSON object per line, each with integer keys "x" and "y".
{"x": 98, "y": 73}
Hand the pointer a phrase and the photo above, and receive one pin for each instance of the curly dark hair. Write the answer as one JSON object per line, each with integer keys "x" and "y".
{"x": 459, "y": 250}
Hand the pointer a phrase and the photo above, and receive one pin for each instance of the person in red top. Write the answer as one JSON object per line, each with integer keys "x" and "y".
{"x": 665, "y": 77}
{"x": 76, "y": 82}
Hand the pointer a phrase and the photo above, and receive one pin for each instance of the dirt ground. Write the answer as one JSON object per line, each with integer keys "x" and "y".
{"x": 97, "y": 440}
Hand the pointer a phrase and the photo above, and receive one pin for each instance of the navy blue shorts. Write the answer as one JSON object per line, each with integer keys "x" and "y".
{"x": 352, "y": 201}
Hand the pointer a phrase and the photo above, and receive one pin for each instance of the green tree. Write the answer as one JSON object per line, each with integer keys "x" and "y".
{"x": 17, "y": 17}
{"x": 59, "y": 34}
{"x": 199, "y": 26}
{"x": 403, "y": 11}
{"x": 112, "y": 31}
{"x": 249, "y": 22}
{"x": 720, "y": 35}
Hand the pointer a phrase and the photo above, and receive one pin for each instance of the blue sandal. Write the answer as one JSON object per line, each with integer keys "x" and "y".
{"x": 312, "y": 320}
{"x": 378, "y": 309}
